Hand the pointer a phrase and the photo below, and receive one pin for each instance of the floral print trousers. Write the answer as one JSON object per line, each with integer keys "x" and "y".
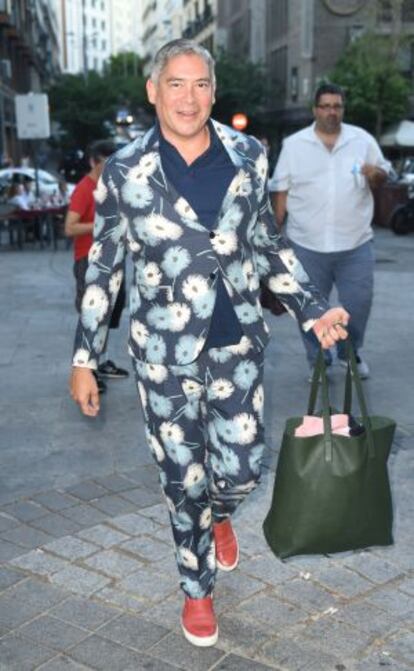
{"x": 204, "y": 425}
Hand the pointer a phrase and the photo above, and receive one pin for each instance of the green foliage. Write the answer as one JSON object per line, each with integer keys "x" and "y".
{"x": 376, "y": 92}
{"x": 83, "y": 104}
{"x": 241, "y": 87}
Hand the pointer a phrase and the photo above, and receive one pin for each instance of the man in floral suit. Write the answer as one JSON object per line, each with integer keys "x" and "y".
{"x": 189, "y": 203}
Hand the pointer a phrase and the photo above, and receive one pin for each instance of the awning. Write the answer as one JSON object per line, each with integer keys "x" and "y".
{"x": 399, "y": 135}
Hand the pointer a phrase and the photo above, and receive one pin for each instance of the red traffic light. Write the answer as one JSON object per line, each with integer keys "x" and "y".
{"x": 239, "y": 121}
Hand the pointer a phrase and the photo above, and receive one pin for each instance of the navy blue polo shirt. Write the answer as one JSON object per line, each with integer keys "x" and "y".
{"x": 204, "y": 184}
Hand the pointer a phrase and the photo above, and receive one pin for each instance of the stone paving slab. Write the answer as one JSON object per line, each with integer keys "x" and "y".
{"x": 87, "y": 574}
{"x": 76, "y": 594}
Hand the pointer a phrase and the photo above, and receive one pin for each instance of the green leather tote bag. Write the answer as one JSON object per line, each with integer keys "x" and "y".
{"x": 332, "y": 492}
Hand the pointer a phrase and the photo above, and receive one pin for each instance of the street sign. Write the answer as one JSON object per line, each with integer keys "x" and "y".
{"x": 32, "y": 116}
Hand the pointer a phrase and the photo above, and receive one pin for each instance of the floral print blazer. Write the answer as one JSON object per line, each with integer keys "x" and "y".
{"x": 176, "y": 259}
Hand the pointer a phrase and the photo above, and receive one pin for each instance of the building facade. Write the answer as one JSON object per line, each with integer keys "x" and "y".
{"x": 300, "y": 41}
{"x": 29, "y": 61}
{"x": 126, "y": 27}
{"x": 162, "y": 21}
{"x": 241, "y": 28}
{"x": 165, "y": 20}
{"x": 91, "y": 31}
{"x": 85, "y": 34}
{"x": 200, "y": 22}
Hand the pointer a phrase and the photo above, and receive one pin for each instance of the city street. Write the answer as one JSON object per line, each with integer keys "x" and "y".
{"x": 87, "y": 574}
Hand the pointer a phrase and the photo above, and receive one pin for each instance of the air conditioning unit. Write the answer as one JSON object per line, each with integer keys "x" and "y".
{"x": 5, "y": 68}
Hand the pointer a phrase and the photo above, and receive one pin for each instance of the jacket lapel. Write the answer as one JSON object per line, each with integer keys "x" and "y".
{"x": 241, "y": 187}
{"x": 246, "y": 180}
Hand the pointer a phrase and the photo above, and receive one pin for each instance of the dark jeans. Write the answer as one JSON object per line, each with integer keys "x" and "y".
{"x": 352, "y": 272}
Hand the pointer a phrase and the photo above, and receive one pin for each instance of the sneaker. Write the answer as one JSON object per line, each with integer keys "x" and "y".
{"x": 362, "y": 367}
{"x": 227, "y": 547}
{"x": 199, "y": 623}
{"x": 109, "y": 370}
{"x": 101, "y": 384}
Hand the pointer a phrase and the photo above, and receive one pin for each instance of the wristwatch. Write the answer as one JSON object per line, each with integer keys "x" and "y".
{"x": 344, "y": 7}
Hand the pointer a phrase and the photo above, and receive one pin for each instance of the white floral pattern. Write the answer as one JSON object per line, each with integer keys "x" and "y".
{"x": 178, "y": 426}
{"x": 176, "y": 259}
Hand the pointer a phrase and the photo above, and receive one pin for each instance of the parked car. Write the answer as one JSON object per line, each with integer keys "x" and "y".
{"x": 48, "y": 183}
{"x": 407, "y": 171}
{"x": 124, "y": 117}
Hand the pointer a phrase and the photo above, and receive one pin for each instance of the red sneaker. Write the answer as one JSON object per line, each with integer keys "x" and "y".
{"x": 227, "y": 547}
{"x": 199, "y": 622}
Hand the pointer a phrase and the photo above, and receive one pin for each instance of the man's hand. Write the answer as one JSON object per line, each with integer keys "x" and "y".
{"x": 373, "y": 174}
{"x": 84, "y": 390}
{"x": 331, "y": 327}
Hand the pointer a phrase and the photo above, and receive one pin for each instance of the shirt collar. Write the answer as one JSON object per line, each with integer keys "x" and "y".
{"x": 346, "y": 134}
{"x": 166, "y": 146}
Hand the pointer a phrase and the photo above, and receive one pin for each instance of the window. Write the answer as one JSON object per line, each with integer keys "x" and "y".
{"x": 239, "y": 35}
{"x": 103, "y": 25}
{"x": 408, "y": 11}
{"x": 95, "y": 64}
{"x": 278, "y": 72}
{"x": 103, "y": 45}
{"x": 387, "y": 11}
{"x": 405, "y": 58}
{"x": 384, "y": 11}
{"x": 277, "y": 18}
{"x": 294, "y": 83}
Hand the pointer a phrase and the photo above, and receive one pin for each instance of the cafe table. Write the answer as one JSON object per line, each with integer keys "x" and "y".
{"x": 48, "y": 219}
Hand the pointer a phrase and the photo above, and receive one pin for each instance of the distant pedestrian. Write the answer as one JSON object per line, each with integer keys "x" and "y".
{"x": 79, "y": 224}
{"x": 16, "y": 196}
{"x": 28, "y": 191}
{"x": 323, "y": 182}
{"x": 26, "y": 161}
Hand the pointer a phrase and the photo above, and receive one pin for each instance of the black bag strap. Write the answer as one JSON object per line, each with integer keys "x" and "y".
{"x": 319, "y": 375}
{"x": 352, "y": 377}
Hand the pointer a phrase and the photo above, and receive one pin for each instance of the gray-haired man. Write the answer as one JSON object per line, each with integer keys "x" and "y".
{"x": 189, "y": 202}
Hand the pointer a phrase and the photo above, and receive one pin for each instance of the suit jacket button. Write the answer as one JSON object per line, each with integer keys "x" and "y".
{"x": 212, "y": 234}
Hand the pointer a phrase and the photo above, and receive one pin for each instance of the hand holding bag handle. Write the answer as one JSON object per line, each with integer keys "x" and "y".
{"x": 352, "y": 376}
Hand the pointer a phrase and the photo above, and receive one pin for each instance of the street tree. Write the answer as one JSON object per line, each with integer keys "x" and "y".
{"x": 83, "y": 104}
{"x": 241, "y": 87}
{"x": 376, "y": 91}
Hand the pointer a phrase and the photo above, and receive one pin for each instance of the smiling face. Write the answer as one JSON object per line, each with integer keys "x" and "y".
{"x": 183, "y": 97}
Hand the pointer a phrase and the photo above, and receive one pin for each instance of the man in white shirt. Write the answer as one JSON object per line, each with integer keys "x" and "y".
{"x": 322, "y": 182}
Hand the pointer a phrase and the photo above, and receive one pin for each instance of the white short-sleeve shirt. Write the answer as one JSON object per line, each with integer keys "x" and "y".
{"x": 329, "y": 204}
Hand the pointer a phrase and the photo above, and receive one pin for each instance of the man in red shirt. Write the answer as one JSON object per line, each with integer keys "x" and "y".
{"x": 79, "y": 225}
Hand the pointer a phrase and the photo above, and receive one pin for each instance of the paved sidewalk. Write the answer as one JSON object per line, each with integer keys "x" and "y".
{"x": 87, "y": 576}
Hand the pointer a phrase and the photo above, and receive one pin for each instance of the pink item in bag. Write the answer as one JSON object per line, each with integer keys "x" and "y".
{"x": 313, "y": 426}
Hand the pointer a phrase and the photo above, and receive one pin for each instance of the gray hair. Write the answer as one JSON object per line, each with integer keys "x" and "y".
{"x": 177, "y": 48}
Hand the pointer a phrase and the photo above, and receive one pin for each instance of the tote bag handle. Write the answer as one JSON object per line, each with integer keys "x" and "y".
{"x": 352, "y": 376}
